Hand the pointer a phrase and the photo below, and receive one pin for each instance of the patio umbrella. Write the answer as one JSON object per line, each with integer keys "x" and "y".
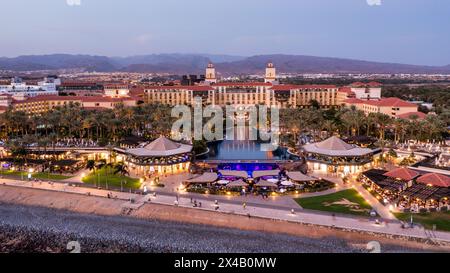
{"x": 287, "y": 183}
{"x": 236, "y": 184}
{"x": 264, "y": 183}
{"x": 273, "y": 180}
{"x": 223, "y": 182}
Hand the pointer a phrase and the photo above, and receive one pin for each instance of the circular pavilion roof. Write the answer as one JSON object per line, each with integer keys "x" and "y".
{"x": 335, "y": 146}
{"x": 161, "y": 147}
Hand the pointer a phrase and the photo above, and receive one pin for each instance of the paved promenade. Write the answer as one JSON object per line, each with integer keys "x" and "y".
{"x": 389, "y": 227}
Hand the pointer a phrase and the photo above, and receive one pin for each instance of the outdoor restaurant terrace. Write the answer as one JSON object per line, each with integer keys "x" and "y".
{"x": 257, "y": 182}
{"x": 409, "y": 190}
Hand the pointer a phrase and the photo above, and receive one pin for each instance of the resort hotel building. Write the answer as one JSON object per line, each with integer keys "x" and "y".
{"x": 364, "y": 96}
{"x": 44, "y": 96}
{"x": 269, "y": 92}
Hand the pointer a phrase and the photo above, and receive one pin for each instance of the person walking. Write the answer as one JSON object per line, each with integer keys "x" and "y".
{"x": 244, "y": 205}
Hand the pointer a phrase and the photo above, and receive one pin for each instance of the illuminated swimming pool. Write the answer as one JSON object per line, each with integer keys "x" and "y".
{"x": 242, "y": 150}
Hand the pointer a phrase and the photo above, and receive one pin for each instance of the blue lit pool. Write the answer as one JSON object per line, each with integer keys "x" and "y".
{"x": 242, "y": 150}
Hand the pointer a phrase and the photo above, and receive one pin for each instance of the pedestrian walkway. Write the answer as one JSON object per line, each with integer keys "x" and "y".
{"x": 293, "y": 214}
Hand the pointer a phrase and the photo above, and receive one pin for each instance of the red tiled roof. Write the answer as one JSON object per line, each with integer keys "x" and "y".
{"x": 181, "y": 87}
{"x": 242, "y": 84}
{"x": 409, "y": 115}
{"x": 362, "y": 84}
{"x": 48, "y": 98}
{"x": 103, "y": 99}
{"x": 386, "y": 102}
{"x": 357, "y": 84}
{"x": 346, "y": 90}
{"x": 438, "y": 180}
{"x": 374, "y": 84}
{"x": 73, "y": 98}
{"x": 292, "y": 86}
{"x": 283, "y": 87}
{"x": 403, "y": 174}
{"x": 63, "y": 84}
{"x": 115, "y": 85}
{"x": 354, "y": 101}
{"x": 394, "y": 102}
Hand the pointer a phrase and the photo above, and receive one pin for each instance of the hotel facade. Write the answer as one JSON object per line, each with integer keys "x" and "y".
{"x": 269, "y": 92}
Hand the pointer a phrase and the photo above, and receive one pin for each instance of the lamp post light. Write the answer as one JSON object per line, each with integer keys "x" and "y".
{"x": 49, "y": 168}
{"x": 121, "y": 184}
{"x": 30, "y": 172}
{"x": 21, "y": 172}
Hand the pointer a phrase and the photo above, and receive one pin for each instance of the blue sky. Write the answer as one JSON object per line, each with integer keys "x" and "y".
{"x": 404, "y": 31}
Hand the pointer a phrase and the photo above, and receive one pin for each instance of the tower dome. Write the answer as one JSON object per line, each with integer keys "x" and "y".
{"x": 210, "y": 75}
{"x": 271, "y": 73}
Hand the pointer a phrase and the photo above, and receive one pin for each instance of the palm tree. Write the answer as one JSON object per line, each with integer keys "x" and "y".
{"x": 400, "y": 129}
{"x": 121, "y": 168}
{"x": 382, "y": 121}
{"x": 436, "y": 128}
{"x": 90, "y": 165}
{"x": 330, "y": 127}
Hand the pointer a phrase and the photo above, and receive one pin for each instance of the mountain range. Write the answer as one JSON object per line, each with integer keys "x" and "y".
{"x": 196, "y": 63}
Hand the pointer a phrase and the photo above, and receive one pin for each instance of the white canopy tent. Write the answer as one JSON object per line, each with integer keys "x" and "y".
{"x": 266, "y": 184}
{"x": 202, "y": 179}
{"x": 300, "y": 177}
{"x": 258, "y": 174}
{"x": 240, "y": 174}
{"x": 237, "y": 184}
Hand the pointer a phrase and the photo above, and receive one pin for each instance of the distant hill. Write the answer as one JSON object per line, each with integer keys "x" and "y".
{"x": 57, "y": 61}
{"x": 195, "y": 63}
{"x": 310, "y": 64}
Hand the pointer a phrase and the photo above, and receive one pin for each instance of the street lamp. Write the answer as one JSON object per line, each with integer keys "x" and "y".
{"x": 30, "y": 172}
{"x": 121, "y": 184}
{"x": 49, "y": 168}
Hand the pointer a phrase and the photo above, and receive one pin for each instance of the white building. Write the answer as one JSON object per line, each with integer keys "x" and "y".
{"x": 117, "y": 90}
{"x": 18, "y": 88}
{"x": 366, "y": 91}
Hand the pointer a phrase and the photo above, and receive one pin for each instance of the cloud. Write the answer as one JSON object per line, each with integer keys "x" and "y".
{"x": 374, "y": 2}
{"x": 73, "y": 2}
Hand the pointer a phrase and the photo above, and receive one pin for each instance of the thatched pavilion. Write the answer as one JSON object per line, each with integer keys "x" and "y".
{"x": 334, "y": 155}
{"x": 160, "y": 156}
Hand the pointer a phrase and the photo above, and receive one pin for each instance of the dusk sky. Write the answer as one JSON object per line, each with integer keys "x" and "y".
{"x": 404, "y": 31}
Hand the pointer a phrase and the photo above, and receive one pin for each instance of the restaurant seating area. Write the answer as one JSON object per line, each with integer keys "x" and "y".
{"x": 409, "y": 190}
{"x": 262, "y": 182}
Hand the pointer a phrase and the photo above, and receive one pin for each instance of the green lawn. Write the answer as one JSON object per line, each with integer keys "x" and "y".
{"x": 100, "y": 178}
{"x": 347, "y": 202}
{"x": 440, "y": 219}
{"x": 38, "y": 175}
